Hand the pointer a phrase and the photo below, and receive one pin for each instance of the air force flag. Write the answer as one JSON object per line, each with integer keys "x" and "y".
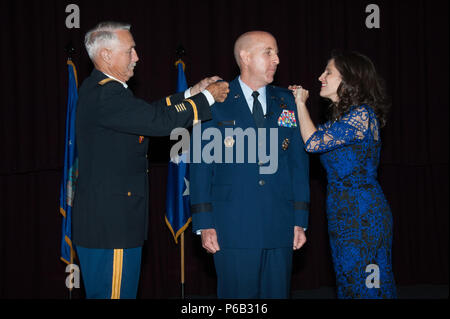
{"x": 178, "y": 214}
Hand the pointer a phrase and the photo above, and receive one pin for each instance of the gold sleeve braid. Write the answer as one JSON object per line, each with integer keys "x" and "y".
{"x": 181, "y": 107}
{"x": 194, "y": 109}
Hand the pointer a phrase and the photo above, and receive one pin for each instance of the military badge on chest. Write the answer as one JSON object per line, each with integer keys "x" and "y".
{"x": 287, "y": 119}
{"x": 285, "y": 144}
{"x": 229, "y": 141}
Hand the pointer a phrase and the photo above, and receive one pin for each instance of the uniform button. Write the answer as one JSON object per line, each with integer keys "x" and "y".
{"x": 261, "y": 182}
{"x": 129, "y": 194}
{"x": 146, "y": 155}
{"x": 148, "y": 171}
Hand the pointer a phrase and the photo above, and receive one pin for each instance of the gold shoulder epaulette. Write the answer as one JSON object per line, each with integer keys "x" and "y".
{"x": 104, "y": 81}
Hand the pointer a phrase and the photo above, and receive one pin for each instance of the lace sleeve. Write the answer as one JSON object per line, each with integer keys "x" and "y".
{"x": 323, "y": 127}
{"x": 350, "y": 129}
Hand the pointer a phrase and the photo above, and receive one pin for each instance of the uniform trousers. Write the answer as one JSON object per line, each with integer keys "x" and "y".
{"x": 110, "y": 273}
{"x": 253, "y": 273}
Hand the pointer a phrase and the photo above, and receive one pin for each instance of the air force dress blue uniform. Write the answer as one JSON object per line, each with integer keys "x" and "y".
{"x": 254, "y": 214}
{"x": 110, "y": 214}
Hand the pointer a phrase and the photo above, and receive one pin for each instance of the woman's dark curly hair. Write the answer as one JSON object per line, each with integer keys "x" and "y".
{"x": 360, "y": 85}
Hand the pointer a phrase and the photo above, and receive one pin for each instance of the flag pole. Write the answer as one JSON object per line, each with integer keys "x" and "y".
{"x": 180, "y": 52}
{"x": 70, "y": 51}
{"x": 71, "y": 261}
{"x": 182, "y": 264}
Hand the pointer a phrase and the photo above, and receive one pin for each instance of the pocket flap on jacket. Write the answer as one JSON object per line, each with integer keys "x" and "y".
{"x": 128, "y": 186}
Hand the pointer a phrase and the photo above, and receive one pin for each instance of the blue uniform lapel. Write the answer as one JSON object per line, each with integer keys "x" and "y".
{"x": 239, "y": 105}
{"x": 273, "y": 107}
{"x": 240, "y": 109}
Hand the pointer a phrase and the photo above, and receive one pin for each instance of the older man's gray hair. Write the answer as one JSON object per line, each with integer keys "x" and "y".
{"x": 102, "y": 35}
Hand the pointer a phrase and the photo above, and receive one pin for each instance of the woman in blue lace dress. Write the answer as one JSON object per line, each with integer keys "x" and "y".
{"x": 359, "y": 217}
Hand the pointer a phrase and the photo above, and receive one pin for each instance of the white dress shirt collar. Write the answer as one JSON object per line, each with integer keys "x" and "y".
{"x": 111, "y": 77}
{"x": 249, "y": 98}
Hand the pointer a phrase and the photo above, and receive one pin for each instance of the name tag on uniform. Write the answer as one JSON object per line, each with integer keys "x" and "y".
{"x": 227, "y": 123}
{"x": 287, "y": 119}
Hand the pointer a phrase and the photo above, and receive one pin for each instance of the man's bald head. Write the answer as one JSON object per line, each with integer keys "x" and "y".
{"x": 247, "y": 41}
{"x": 256, "y": 54}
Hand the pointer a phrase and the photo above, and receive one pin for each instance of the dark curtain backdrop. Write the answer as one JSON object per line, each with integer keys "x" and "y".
{"x": 410, "y": 50}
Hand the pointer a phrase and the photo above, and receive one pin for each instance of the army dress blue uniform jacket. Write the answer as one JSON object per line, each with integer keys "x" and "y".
{"x": 111, "y": 198}
{"x": 249, "y": 209}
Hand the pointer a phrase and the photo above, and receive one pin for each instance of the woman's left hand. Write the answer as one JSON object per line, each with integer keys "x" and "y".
{"x": 301, "y": 95}
{"x": 307, "y": 127}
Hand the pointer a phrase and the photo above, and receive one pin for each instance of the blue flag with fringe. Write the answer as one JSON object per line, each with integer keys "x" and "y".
{"x": 178, "y": 213}
{"x": 70, "y": 171}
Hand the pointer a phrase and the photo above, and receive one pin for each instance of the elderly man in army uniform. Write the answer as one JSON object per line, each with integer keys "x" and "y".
{"x": 111, "y": 202}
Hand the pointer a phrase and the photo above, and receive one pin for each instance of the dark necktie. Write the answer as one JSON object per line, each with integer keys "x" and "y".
{"x": 258, "y": 114}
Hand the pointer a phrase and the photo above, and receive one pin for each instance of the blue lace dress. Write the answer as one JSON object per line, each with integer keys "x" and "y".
{"x": 359, "y": 217}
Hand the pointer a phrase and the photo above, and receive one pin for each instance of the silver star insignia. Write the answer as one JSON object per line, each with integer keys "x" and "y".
{"x": 186, "y": 192}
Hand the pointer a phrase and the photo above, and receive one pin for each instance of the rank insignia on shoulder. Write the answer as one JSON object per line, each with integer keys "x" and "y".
{"x": 287, "y": 119}
{"x": 104, "y": 81}
{"x": 141, "y": 139}
{"x": 168, "y": 101}
{"x": 285, "y": 144}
